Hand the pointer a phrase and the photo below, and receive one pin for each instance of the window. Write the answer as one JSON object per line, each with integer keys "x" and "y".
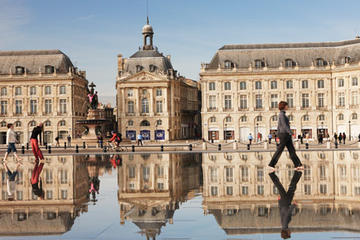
{"x": 320, "y": 62}
{"x": 290, "y": 100}
{"x": 354, "y": 98}
{"x": 130, "y": 106}
{"x": 146, "y": 173}
{"x": 19, "y": 70}
{"x": 289, "y": 63}
{"x": 62, "y": 90}
{"x": 341, "y": 116}
{"x": 228, "y": 64}
{"x": 32, "y": 124}
{"x": 341, "y": 82}
{"x": 229, "y": 171}
{"x": 322, "y": 170}
{"x": 130, "y": 123}
{"x": 243, "y": 85}
{"x": 243, "y": 102}
{"x": 229, "y": 190}
{"x": 47, "y": 90}
{"x": 18, "y": 106}
{"x": 49, "y": 194}
{"x": 320, "y": 84}
{"x": 48, "y": 176}
{"x": 49, "y": 69}
{"x": 273, "y": 84}
{"x": 47, "y": 123}
{"x": 63, "y": 194}
{"x": 341, "y": 99}
{"x": 152, "y": 68}
{"x": 48, "y": 106}
{"x": 258, "y": 118}
{"x": 307, "y": 189}
{"x": 144, "y": 105}
{"x": 354, "y": 81}
{"x": 227, "y": 85}
{"x": 130, "y": 92}
{"x": 321, "y": 102}
{"x": 274, "y": 100}
{"x": 259, "y": 63}
{"x": 33, "y": 106}
{"x": 343, "y": 190}
{"x": 3, "y": 91}
{"x": 274, "y": 118}
{"x": 306, "y": 118}
{"x": 243, "y": 119}
{"x": 228, "y": 119}
{"x": 305, "y": 102}
{"x": 62, "y": 105}
{"x": 260, "y": 174}
{"x": 258, "y": 85}
{"x": 214, "y": 191}
{"x": 158, "y": 92}
{"x": 244, "y": 190}
{"x": 260, "y": 189}
{"x": 244, "y": 174}
{"x": 63, "y": 176}
{"x": 354, "y": 116}
{"x": 212, "y": 102}
{"x": 258, "y": 98}
{"x": 212, "y": 86}
{"x": 291, "y": 118}
{"x": 307, "y": 173}
{"x": 357, "y": 191}
{"x": 3, "y": 107}
{"x": 159, "y": 107}
{"x": 62, "y": 123}
{"x": 144, "y": 123}
{"x": 227, "y": 102}
{"x": 32, "y": 90}
{"x": 322, "y": 117}
{"x": 17, "y": 124}
{"x": 212, "y": 119}
{"x": 304, "y": 84}
{"x": 213, "y": 174}
{"x": 144, "y": 91}
{"x": 18, "y": 91}
{"x": 289, "y": 84}
{"x": 342, "y": 171}
{"x": 139, "y": 68}
{"x": 158, "y": 122}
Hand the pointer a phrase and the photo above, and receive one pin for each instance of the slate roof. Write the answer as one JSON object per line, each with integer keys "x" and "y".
{"x": 304, "y": 54}
{"x": 33, "y": 60}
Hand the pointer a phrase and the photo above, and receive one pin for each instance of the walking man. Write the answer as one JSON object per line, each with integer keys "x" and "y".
{"x": 250, "y": 137}
{"x": 140, "y": 139}
{"x": 57, "y": 141}
{"x": 344, "y": 137}
{"x": 340, "y": 137}
{"x": 270, "y": 137}
{"x": 10, "y": 141}
{"x": 69, "y": 140}
{"x": 285, "y": 136}
{"x": 335, "y": 137}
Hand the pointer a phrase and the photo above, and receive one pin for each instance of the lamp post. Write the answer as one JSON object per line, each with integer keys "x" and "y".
{"x": 349, "y": 130}
{"x": 257, "y": 131}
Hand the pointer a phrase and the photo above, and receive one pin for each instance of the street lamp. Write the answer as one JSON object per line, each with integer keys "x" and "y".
{"x": 349, "y": 130}
{"x": 257, "y": 131}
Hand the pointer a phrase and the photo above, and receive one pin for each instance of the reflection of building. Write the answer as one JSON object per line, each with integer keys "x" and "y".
{"x": 242, "y": 85}
{"x": 65, "y": 182}
{"x": 151, "y": 187}
{"x": 41, "y": 86}
{"x": 152, "y": 99}
{"x": 243, "y": 199}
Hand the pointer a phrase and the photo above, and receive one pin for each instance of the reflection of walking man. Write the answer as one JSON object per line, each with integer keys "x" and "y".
{"x": 285, "y": 201}
{"x": 140, "y": 139}
{"x": 10, "y": 182}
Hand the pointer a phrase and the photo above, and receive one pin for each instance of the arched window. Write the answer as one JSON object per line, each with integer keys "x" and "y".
{"x": 306, "y": 117}
{"x": 289, "y": 63}
{"x": 347, "y": 59}
{"x": 32, "y": 124}
{"x": 47, "y": 123}
{"x": 274, "y": 118}
{"x": 19, "y": 70}
{"x": 152, "y": 68}
{"x": 321, "y": 117}
{"x": 354, "y": 116}
{"x": 341, "y": 116}
{"x": 3, "y": 124}
{"x": 139, "y": 68}
{"x": 228, "y": 119}
{"x": 212, "y": 119}
{"x": 158, "y": 122}
{"x": 320, "y": 62}
{"x": 49, "y": 69}
{"x": 258, "y": 118}
{"x": 320, "y": 83}
{"x": 62, "y": 123}
{"x": 243, "y": 119}
{"x": 3, "y": 91}
{"x": 229, "y": 64}
{"x": 259, "y": 63}
{"x": 130, "y": 123}
{"x": 130, "y": 106}
{"x": 17, "y": 124}
{"x": 144, "y": 105}
{"x": 144, "y": 123}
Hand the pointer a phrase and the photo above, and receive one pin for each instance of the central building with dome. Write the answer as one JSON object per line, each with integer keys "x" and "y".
{"x": 153, "y": 99}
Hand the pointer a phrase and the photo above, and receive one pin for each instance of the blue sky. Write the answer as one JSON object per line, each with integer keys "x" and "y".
{"x": 93, "y": 32}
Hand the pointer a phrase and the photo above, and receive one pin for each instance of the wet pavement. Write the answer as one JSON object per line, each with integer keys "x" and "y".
{"x": 183, "y": 196}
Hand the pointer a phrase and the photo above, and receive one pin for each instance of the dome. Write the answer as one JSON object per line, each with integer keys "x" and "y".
{"x": 147, "y": 29}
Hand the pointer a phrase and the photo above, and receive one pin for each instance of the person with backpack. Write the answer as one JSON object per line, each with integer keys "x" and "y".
{"x": 340, "y": 137}
{"x": 115, "y": 138}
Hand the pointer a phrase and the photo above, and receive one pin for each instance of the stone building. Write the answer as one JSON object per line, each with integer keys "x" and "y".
{"x": 41, "y": 86}
{"x": 239, "y": 193}
{"x": 152, "y": 98}
{"x": 242, "y": 85}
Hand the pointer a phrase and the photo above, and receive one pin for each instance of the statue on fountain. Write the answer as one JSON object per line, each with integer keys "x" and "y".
{"x": 93, "y": 97}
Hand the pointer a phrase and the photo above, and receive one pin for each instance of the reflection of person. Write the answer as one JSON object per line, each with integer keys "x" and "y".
{"x": 250, "y": 137}
{"x": 10, "y": 182}
{"x": 36, "y": 182}
{"x": 10, "y": 141}
{"x": 284, "y": 134}
{"x": 285, "y": 201}
{"x": 116, "y": 160}
{"x": 34, "y": 141}
{"x": 94, "y": 188}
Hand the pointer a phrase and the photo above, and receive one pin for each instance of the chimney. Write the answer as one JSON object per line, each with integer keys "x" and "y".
{"x": 120, "y": 62}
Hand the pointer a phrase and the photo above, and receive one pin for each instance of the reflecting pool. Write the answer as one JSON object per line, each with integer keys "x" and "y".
{"x": 183, "y": 196}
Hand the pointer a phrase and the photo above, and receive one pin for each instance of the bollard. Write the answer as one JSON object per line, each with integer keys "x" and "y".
{"x": 133, "y": 148}
{"x": 248, "y": 146}
{"x": 219, "y": 147}
{"x": 77, "y": 148}
{"x": 49, "y": 149}
{"x": 212, "y": 140}
{"x": 204, "y": 146}
{"x": 23, "y": 149}
{"x": 27, "y": 146}
{"x": 64, "y": 145}
{"x": 306, "y": 145}
{"x": 190, "y": 147}
{"x": 84, "y": 145}
{"x": 162, "y": 148}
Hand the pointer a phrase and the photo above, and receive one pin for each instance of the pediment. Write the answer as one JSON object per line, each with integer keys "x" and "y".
{"x": 145, "y": 77}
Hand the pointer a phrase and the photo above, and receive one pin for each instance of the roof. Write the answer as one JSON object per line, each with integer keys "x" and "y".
{"x": 34, "y": 60}
{"x": 303, "y": 54}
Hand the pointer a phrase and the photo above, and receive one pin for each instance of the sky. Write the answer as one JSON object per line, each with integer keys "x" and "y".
{"x": 92, "y": 32}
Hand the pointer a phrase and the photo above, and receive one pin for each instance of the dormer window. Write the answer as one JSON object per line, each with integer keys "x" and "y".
{"x": 347, "y": 59}
{"x": 259, "y": 63}
{"x": 289, "y": 63}
{"x": 152, "y": 68}
{"x": 320, "y": 62}
{"x": 49, "y": 69}
{"x": 139, "y": 68}
{"x": 229, "y": 64}
{"x": 19, "y": 70}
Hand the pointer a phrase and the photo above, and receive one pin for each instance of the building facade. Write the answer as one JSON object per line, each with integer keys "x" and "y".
{"x": 41, "y": 86}
{"x": 152, "y": 98}
{"x": 242, "y": 85}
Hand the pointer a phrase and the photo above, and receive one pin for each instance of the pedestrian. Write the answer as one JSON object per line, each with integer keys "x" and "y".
{"x": 10, "y": 141}
{"x": 270, "y": 137}
{"x": 340, "y": 138}
{"x": 34, "y": 142}
{"x": 57, "y": 141}
{"x": 69, "y": 140}
{"x": 250, "y": 137}
{"x": 140, "y": 139}
{"x": 336, "y": 137}
{"x": 302, "y": 139}
{"x": 285, "y": 136}
{"x": 10, "y": 182}
{"x": 286, "y": 205}
{"x": 344, "y": 137}
{"x": 320, "y": 138}
{"x": 359, "y": 137}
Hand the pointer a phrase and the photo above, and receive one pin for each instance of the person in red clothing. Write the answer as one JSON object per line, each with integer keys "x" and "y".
{"x": 116, "y": 138}
{"x": 36, "y": 182}
{"x": 34, "y": 141}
